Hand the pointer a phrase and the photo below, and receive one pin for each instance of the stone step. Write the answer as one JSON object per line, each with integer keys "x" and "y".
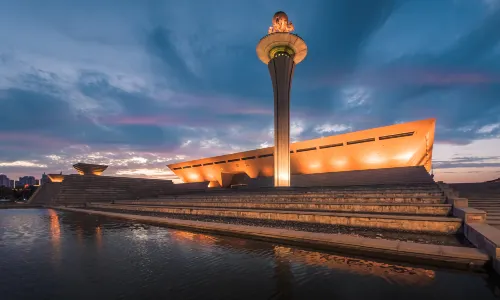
{"x": 493, "y": 213}
{"x": 475, "y": 200}
{"x": 301, "y": 195}
{"x": 485, "y": 206}
{"x": 428, "y": 200}
{"x": 306, "y": 195}
{"x": 417, "y": 209}
{"x": 329, "y": 191}
{"x": 431, "y": 224}
{"x": 491, "y": 209}
{"x": 488, "y": 215}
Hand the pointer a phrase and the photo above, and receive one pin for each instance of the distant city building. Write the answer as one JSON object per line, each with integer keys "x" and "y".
{"x": 37, "y": 181}
{"x": 29, "y": 180}
{"x": 12, "y": 183}
{"x": 4, "y": 180}
{"x": 45, "y": 179}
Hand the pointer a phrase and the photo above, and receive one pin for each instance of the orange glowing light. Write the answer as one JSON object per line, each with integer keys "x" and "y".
{"x": 55, "y": 227}
{"x": 185, "y": 236}
{"x": 89, "y": 169}
{"x": 56, "y": 177}
{"x": 193, "y": 176}
{"x": 315, "y": 165}
{"x": 374, "y": 158}
{"x": 405, "y": 156}
{"x": 98, "y": 236}
{"x": 281, "y": 23}
{"x": 392, "y": 273}
{"x": 400, "y": 145}
{"x": 339, "y": 162}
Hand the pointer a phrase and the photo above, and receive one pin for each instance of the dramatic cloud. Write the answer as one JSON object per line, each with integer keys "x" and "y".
{"x": 20, "y": 163}
{"x": 331, "y": 128}
{"x": 138, "y": 85}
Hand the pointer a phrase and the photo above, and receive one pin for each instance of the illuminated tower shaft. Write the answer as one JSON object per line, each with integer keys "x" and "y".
{"x": 281, "y": 69}
{"x": 281, "y": 51}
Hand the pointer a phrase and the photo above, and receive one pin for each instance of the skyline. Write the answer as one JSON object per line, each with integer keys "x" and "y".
{"x": 139, "y": 86}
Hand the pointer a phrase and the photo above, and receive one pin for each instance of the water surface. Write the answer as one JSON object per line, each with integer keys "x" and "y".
{"x": 47, "y": 254}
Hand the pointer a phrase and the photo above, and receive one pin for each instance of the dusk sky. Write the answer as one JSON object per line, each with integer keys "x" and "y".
{"x": 140, "y": 84}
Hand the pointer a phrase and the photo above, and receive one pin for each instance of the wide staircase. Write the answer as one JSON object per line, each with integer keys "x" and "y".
{"x": 484, "y": 196}
{"x": 78, "y": 189}
{"x": 45, "y": 193}
{"x": 413, "y": 207}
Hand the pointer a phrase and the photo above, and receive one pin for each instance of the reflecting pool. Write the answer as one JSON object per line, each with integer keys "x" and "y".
{"x": 48, "y": 254}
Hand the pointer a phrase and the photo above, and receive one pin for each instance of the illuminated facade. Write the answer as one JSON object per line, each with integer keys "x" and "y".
{"x": 400, "y": 145}
{"x": 281, "y": 51}
{"x": 89, "y": 169}
{"x": 56, "y": 177}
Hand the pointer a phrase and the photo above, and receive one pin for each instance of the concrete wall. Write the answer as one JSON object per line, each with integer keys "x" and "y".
{"x": 403, "y": 175}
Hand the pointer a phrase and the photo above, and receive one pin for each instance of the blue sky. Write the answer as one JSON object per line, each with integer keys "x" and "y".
{"x": 141, "y": 84}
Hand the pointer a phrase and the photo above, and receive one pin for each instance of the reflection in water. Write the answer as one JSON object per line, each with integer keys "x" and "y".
{"x": 55, "y": 228}
{"x": 79, "y": 235}
{"x": 284, "y": 278}
{"x": 186, "y": 236}
{"x": 60, "y": 255}
{"x": 391, "y": 273}
{"x": 55, "y": 234}
{"x": 98, "y": 237}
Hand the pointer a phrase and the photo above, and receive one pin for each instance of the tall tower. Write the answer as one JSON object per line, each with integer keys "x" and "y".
{"x": 281, "y": 51}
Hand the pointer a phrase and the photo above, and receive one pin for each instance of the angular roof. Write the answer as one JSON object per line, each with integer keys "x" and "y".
{"x": 399, "y": 145}
{"x": 89, "y": 169}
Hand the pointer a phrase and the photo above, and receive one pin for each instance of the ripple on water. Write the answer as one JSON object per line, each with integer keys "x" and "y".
{"x": 55, "y": 255}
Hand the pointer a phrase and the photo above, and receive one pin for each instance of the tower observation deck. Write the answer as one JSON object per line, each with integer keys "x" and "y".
{"x": 281, "y": 50}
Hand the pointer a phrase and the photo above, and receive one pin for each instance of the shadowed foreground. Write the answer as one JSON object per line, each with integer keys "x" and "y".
{"x": 61, "y": 255}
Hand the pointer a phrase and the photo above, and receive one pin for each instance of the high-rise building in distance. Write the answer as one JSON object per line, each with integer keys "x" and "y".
{"x": 29, "y": 180}
{"x": 4, "y": 180}
{"x": 45, "y": 179}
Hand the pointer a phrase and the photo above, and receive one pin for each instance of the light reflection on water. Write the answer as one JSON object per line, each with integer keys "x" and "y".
{"x": 47, "y": 254}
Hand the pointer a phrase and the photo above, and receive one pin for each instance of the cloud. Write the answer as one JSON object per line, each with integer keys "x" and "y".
{"x": 186, "y": 143}
{"x": 356, "y": 96}
{"x": 488, "y": 128}
{"x": 492, "y": 4}
{"x": 211, "y": 143}
{"x": 331, "y": 128}
{"x": 22, "y": 164}
{"x": 145, "y": 84}
{"x": 146, "y": 172}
